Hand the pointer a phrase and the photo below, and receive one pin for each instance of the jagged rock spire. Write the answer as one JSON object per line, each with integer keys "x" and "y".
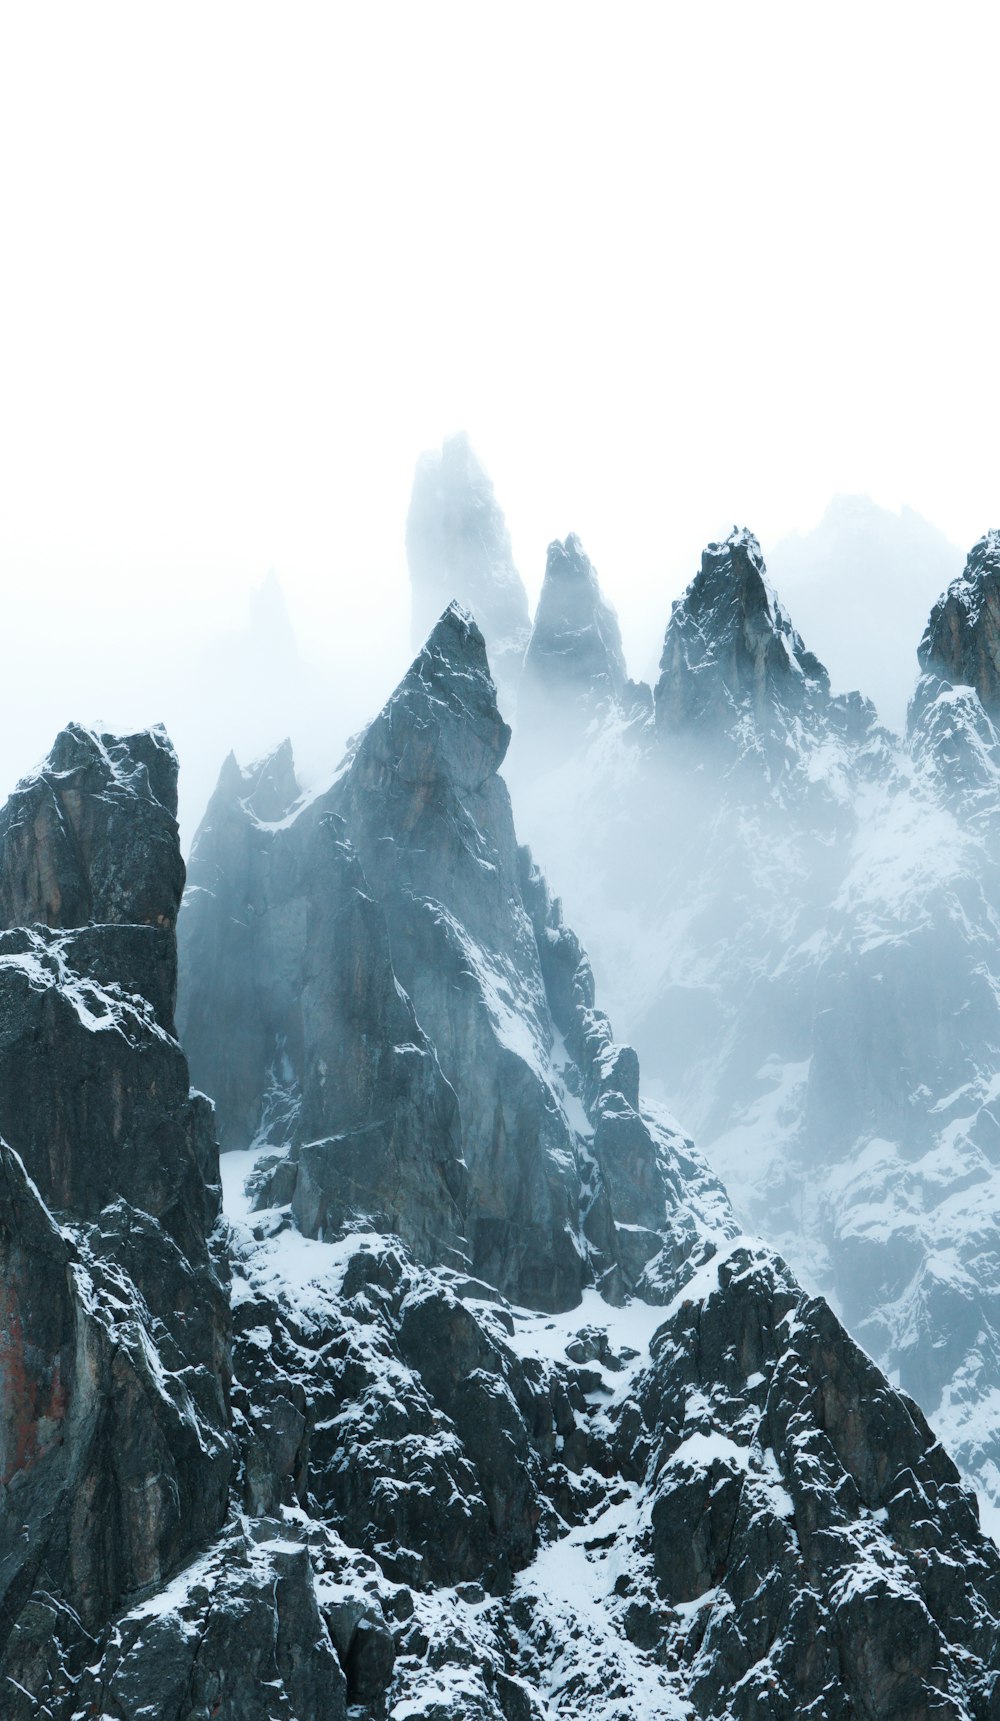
{"x": 730, "y": 646}
{"x": 92, "y": 834}
{"x": 443, "y": 719}
{"x": 458, "y": 546}
{"x": 961, "y": 642}
{"x": 576, "y": 643}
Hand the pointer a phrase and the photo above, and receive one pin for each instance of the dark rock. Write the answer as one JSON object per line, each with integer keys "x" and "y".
{"x": 574, "y": 667}
{"x": 961, "y": 643}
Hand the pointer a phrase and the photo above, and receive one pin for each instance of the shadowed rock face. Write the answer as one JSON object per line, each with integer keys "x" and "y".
{"x": 574, "y": 667}
{"x": 705, "y": 1504}
{"x": 961, "y": 643}
{"x": 115, "y": 1324}
{"x": 91, "y": 837}
{"x": 458, "y": 547}
{"x": 575, "y": 642}
{"x": 379, "y": 944}
{"x": 730, "y": 650}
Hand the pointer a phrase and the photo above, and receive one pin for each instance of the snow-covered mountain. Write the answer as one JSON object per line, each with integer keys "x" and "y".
{"x": 457, "y": 1386}
{"x": 793, "y": 913}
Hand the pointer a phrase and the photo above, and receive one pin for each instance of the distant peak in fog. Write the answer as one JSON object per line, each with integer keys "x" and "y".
{"x": 458, "y": 546}
{"x": 860, "y": 585}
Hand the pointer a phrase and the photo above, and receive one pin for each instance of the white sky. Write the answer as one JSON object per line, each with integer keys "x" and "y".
{"x": 670, "y": 265}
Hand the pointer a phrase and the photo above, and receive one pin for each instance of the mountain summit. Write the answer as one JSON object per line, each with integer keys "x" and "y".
{"x": 458, "y": 546}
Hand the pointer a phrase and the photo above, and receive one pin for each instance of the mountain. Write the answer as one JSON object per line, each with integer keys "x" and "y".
{"x": 474, "y": 1398}
{"x": 698, "y": 1499}
{"x": 574, "y": 669}
{"x": 795, "y": 915}
{"x": 458, "y": 546}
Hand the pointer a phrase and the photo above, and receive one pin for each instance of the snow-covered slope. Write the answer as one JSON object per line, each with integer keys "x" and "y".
{"x": 690, "y": 1500}
{"x": 794, "y": 914}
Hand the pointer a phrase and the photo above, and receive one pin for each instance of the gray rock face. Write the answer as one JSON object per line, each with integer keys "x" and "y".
{"x": 796, "y": 915}
{"x": 408, "y": 962}
{"x": 92, "y": 837}
{"x": 733, "y": 669}
{"x": 704, "y": 1502}
{"x": 458, "y": 547}
{"x": 961, "y": 643}
{"x": 116, "y": 1448}
{"x": 574, "y": 667}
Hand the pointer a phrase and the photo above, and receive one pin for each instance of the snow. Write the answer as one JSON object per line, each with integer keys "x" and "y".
{"x": 284, "y": 1264}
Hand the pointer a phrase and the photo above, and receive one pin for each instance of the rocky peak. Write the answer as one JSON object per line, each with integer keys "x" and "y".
{"x": 961, "y": 643}
{"x": 730, "y": 650}
{"x": 575, "y": 644}
{"x": 458, "y": 546}
{"x": 443, "y": 720}
{"x": 92, "y": 834}
{"x": 271, "y": 786}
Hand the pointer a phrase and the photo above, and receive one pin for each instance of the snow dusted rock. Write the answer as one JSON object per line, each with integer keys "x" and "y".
{"x": 458, "y": 547}
{"x": 700, "y": 1502}
{"x": 115, "y": 1344}
{"x": 795, "y": 917}
{"x": 296, "y": 1021}
{"x": 91, "y": 836}
{"x": 961, "y": 643}
{"x": 574, "y": 667}
{"x": 734, "y": 674}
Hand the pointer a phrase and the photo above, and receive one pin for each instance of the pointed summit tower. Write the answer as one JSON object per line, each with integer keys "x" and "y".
{"x": 730, "y": 650}
{"x": 961, "y": 643}
{"x": 458, "y": 546}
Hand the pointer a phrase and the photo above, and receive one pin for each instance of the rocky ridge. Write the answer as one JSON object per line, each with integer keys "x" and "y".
{"x": 627, "y": 1484}
{"x": 808, "y": 971}
{"x": 659, "y": 1479}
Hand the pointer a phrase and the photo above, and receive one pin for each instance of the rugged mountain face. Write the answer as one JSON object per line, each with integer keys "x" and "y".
{"x": 417, "y": 828}
{"x": 961, "y": 644}
{"x": 115, "y": 1449}
{"x": 700, "y": 1500}
{"x": 574, "y": 667}
{"x": 458, "y": 547}
{"x": 808, "y": 962}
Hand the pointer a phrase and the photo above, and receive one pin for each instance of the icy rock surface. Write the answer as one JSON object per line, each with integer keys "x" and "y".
{"x": 310, "y": 1458}
{"x": 794, "y": 916}
{"x": 574, "y": 667}
{"x": 495, "y": 1152}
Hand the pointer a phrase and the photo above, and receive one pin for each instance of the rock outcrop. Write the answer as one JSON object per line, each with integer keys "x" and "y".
{"x": 574, "y": 667}
{"x": 458, "y": 547}
{"x": 735, "y": 678}
{"x": 114, "y": 1423}
{"x": 366, "y": 1483}
{"x": 410, "y": 852}
{"x": 795, "y": 915}
{"x": 961, "y": 643}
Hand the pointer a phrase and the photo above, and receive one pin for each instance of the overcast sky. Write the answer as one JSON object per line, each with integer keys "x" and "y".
{"x": 670, "y": 266}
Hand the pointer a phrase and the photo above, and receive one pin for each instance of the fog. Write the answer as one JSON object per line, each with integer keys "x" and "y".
{"x": 665, "y": 276}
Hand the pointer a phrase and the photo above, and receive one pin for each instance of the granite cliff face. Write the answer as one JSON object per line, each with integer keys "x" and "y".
{"x": 114, "y": 1424}
{"x": 700, "y": 1501}
{"x": 421, "y": 820}
{"x": 961, "y": 643}
{"x": 474, "y": 1400}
